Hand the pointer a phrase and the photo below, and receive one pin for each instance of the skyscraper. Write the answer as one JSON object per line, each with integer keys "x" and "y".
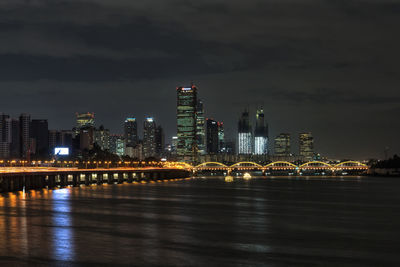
{"x": 245, "y": 143}
{"x": 15, "y": 147}
{"x": 117, "y": 144}
{"x": 186, "y": 123}
{"x": 200, "y": 128}
{"x": 221, "y": 138}
{"x": 212, "y": 136}
{"x": 39, "y": 132}
{"x": 160, "y": 141}
{"x": 149, "y": 138}
{"x": 24, "y": 122}
{"x": 5, "y": 136}
{"x": 84, "y": 120}
{"x": 260, "y": 134}
{"x": 306, "y": 146}
{"x": 86, "y": 138}
{"x": 282, "y": 145}
{"x": 55, "y": 140}
{"x": 130, "y": 132}
{"x": 102, "y": 138}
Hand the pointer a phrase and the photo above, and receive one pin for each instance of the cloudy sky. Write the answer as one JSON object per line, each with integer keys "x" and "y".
{"x": 326, "y": 66}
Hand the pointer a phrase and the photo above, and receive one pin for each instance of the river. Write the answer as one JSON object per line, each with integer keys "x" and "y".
{"x": 281, "y": 221}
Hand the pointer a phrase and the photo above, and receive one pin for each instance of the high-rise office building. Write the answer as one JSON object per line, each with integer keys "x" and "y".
{"x": 245, "y": 144}
{"x": 102, "y": 138}
{"x": 25, "y": 141}
{"x": 117, "y": 144}
{"x": 160, "y": 141}
{"x": 130, "y": 132}
{"x": 149, "y": 138}
{"x": 84, "y": 120}
{"x": 15, "y": 146}
{"x": 200, "y": 128}
{"x": 260, "y": 134}
{"x": 221, "y": 138}
{"x": 212, "y": 136}
{"x": 86, "y": 138}
{"x": 306, "y": 146}
{"x": 39, "y": 132}
{"x": 5, "y": 136}
{"x": 282, "y": 145}
{"x": 174, "y": 145}
{"x": 186, "y": 123}
{"x": 55, "y": 140}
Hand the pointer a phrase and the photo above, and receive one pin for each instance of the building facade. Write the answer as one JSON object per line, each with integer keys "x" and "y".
{"x": 186, "y": 123}
{"x": 260, "y": 134}
{"x": 221, "y": 138}
{"x": 245, "y": 144}
{"x": 200, "y": 128}
{"x": 149, "y": 138}
{"x": 117, "y": 144}
{"x": 102, "y": 138}
{"x": 282, "y": 145}
{"x": 5, "y": 136}
{"x": 212, "y": 136}
{"x": 130, "y": 132}
{"x": 39, "y": 132}
{"x": 306, "y": 146}
{"x": 84, "y": 120}
{"x": 160, "y": 141}
{"x": 25, "y": 141}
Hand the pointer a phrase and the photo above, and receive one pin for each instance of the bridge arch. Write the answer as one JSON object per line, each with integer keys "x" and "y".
{"x": 316, "y": 162}
{"x": 213, "y": 163}
{"x": 356, "y": 163}
{"x": 272, "y": 164}
{"x": 248, "y": 164}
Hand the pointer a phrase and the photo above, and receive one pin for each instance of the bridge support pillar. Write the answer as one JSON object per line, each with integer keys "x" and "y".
{"x": 110, "y": 178}
{"x": 120, "y": 177}
{"x": 51, "y": 181}
{"x": 63, "y": 179}
{"x": 99, "y": 179}
{"x": 130, "y": 177}
{"x": 88, "y": 178}
{"x": 75, "y": 179}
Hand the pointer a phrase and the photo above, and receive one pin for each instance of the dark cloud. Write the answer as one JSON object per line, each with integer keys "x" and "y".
{"x": 315, "y": 61}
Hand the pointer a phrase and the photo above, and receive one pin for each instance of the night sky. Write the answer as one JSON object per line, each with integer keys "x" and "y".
{"x": 329, "y": 67}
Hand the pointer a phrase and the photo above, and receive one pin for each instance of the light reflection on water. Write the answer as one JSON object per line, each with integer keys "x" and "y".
{"x": 63, "y": 235}
{"x": 280, "y": 221}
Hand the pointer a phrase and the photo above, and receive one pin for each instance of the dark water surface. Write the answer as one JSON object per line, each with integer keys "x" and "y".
{"x": 200, "y": 222}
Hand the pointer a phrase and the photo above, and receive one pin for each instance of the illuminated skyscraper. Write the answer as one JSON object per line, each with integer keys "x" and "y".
{"x": 306, "y": 145}
{"x": 102, "y": 138}
{"x": 260, "y": 134}
{"x": 130, "y": 132}
{"x": 200, "y": 128}
{"x": 245, "y": 135}
{"x": 186, "y": 123}
{"x": 212, "y": 136}
{"x": 5, "y": 135}
{"x": 149, "y": 138}
{"x": 221, "y": 138}
{"x": 282, "y": 145}
{"x": 24, "y": 122}
{"x": 160, "y": 141}
{"x": 117, "y": 144}
{"x": 84, "y": 120}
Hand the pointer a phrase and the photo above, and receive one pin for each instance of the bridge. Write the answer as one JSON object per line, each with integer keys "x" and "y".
{"x": 281, "y": 166}
{"x": 26, "y": 178}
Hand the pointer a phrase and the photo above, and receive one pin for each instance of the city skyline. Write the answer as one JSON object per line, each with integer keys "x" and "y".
{"x": 310, "y": 72}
